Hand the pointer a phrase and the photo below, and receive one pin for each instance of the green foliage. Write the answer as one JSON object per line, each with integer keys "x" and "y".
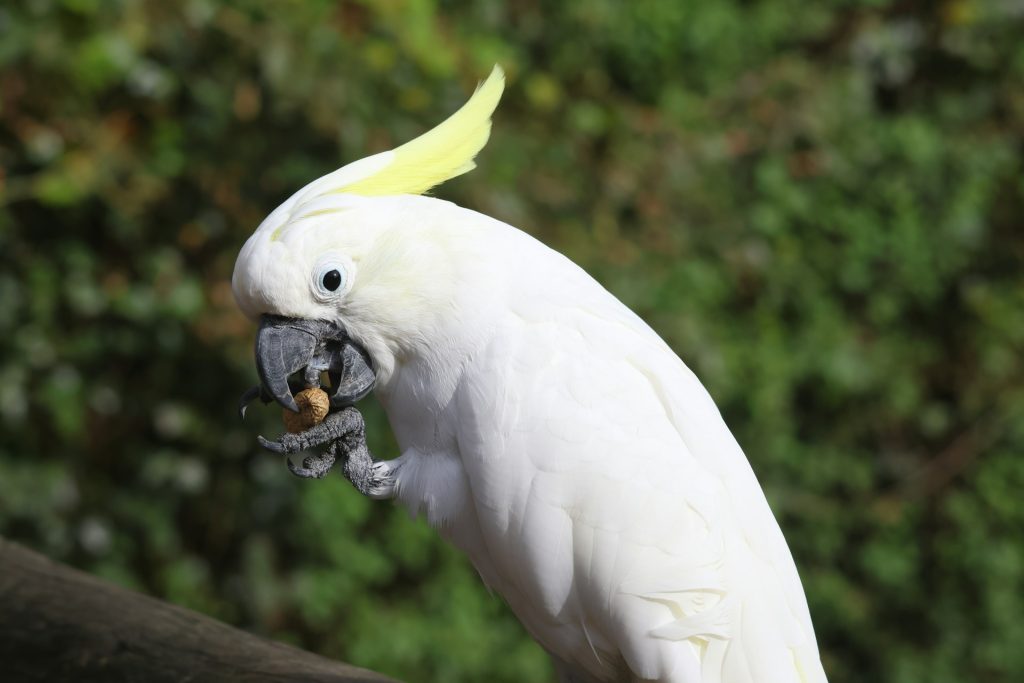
{"x": 819, "y": 206}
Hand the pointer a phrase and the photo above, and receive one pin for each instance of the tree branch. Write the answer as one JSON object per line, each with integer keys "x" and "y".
{"x": 59, "y": 624}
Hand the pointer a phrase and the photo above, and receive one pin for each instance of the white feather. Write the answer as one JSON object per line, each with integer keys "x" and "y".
{"x": 550, "y": 434}
{"x": 545, "y": 429}
{"x": 611, "y": 506}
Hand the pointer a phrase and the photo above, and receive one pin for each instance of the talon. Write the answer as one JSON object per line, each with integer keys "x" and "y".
{"x": 304, "y": 472}
{"x": 314, "y": 466}
{"x": 274, "y": 446}
{"x": 248, "y": 397}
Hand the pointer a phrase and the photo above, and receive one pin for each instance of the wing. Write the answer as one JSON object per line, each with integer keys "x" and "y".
{"x": 613, "y": 508}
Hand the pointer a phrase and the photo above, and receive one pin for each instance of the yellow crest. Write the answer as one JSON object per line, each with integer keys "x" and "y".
{"x": 440, "y": 154}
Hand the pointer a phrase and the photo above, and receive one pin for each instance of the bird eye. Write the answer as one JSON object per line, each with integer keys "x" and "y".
{"x": 331, "y": 277}
{"x": 331, "y": 280}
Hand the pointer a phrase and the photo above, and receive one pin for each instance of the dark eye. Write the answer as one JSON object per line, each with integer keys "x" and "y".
{"x": 331, "y": 280}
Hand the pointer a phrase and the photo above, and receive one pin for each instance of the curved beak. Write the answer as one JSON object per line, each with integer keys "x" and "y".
{"x": 284, "y": 346}
{"x": 356, "y": 378}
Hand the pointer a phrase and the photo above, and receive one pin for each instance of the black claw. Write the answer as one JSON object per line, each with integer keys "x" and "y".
{"x": 304, "y": 472}
{"x": 344, "y": 434}
{"x": 248, "y": 397}
{"x": 315, "y": 466}
{"x": 275, "y": 446}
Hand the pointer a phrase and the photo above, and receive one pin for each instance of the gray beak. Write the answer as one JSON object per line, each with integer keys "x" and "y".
{"x": 285, "y": 346}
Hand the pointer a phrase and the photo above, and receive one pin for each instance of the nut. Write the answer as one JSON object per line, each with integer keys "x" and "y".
{"x": 313, "y": 406}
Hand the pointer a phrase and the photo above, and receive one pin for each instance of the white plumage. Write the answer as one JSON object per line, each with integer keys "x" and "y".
{"x": 554, "y": 438}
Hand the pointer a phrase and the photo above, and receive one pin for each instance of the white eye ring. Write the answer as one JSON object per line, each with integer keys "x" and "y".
{"x": 332, "y": 278}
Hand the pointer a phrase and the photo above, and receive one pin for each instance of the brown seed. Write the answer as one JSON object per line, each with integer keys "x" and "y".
{"x": 313, "y": 406}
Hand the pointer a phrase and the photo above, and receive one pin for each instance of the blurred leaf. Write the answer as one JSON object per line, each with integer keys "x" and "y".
{"x": 817, "y": 205}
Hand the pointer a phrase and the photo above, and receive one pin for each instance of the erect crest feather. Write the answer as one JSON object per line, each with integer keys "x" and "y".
{"x": 440, "y": 154}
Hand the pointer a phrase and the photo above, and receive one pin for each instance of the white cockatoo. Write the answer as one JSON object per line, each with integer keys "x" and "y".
{"x": 545, "y": 429}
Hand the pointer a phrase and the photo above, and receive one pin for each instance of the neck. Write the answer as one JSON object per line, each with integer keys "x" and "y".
{"x": 432, "y": 296}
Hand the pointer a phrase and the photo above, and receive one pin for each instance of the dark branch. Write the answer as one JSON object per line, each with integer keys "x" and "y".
{"x": 59, "y": 624}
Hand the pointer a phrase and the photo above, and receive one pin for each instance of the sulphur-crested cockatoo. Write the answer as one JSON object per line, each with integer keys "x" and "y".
{"x": 545, "y": 429}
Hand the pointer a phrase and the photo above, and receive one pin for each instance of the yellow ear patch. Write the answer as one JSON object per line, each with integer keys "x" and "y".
{"x": 441, "y": 153}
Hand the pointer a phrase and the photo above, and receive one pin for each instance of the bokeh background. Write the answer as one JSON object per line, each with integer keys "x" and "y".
{"x": 819, "y": 205}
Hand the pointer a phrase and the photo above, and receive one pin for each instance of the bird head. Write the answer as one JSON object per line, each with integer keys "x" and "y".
{"x": 353, "y": 271}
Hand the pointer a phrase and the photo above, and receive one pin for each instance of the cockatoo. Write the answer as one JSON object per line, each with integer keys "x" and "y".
{"x": 545, "y": 430}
